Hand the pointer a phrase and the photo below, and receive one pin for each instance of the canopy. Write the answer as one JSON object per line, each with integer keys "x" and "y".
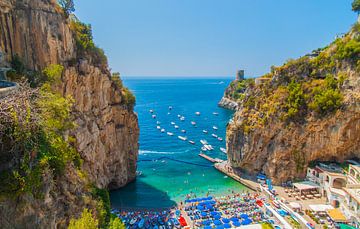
{"x": 336, "y": 215}
{"x": 320, "y": 207}
{"x": 306, "y": 185}
{"x": 225, "y": 220}
{"x": 217, "y": 222}
{"x": 226, "y": 225}
{"x": 295, "y": 205}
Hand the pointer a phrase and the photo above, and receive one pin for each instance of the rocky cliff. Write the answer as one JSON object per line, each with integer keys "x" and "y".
{"x": 106, "y": 131}
{"x": 305, "y": 111}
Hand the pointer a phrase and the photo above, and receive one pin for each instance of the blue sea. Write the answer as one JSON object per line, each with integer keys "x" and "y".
{"x": 171, "y": 168}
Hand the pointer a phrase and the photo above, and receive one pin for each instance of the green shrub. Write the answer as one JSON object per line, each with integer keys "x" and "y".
{"x": 103, "y": 207}
{"x": 115, "y": 223}
{"x": 295, "y": 100}
{"x": 356, "y": 6}
{"x": 129, "y": 98}
{"x": 86, "y": 221}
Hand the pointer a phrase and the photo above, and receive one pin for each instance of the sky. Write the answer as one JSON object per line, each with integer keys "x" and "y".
{"x": 211, "y": 37}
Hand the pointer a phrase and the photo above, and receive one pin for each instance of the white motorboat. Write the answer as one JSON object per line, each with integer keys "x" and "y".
{"x": 215, "y": 113}
{"x": 157, "y": 122}
{"x": 170, "y": 107}
{"x": 151, "y": 111}
{"x": 182, "y": 118}
{"x": 172, "y": 123}
{"x": 192, "y": 142}
{"x": 158, "y": 127}
{"x": 204, "y": 142}
{"x": 223, "y": 150}
{"x": 183, "y": 131}
{"x": 153, "y": 116}
{"x": 214, "y": 135}
{"x": 205, "y": 131}
{"x": 208, "y": 147}
{"x": 197, "y": 113}
{"x": 193, "y": 123}
{"x": 176, "y": 127}
{"x": 215, "y": 128}
{"x": 203, "y": 148}
{"x": 170, "y": 134}
{"x": 182, "y": 138}
{"x": 162, "y": 130}
{"x": 178, "y": 116}
{"x": 220, "y": 139}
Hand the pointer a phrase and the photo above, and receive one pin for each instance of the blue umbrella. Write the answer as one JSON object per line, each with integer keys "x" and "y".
{"x": 203, "y": 214}
{"x": 226, "y": 225}
{"x": 207, "y": 227}
{"x": 244, "y": 216}
{"x": 206, "y": 222}
{"x": 210, "y": 197}
{"x": 217, "y": 222}
{"x": 220, "y": 227}
{"x": 200, "y": 207}
{"x": 225, "y": 220}
{"x": 236, "y": 224}
{"x": 217, "y": 217}
{"x": 212, "y": 201}
{"x": 234, "y": 219}
{"x": 214, "y": 213}
{"x": 246, "y": 221}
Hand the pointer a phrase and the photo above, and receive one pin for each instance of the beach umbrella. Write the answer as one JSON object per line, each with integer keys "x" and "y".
{"x": 244, "y": 216}
{"x": 220, "y": 227}
{"x": 226, "y": 225}
{"x": 217, "y": 222}
{"x": 236, "y": 224}
{"x": 206, "y": 222}
{"x": 209, "y": 197}
{"x": 217, "y": 217}
{"x": 212, "y": 202}
{"x": 200, "y": 207}
{"x": 246, "y": 221}
{"x": 225, "y": 220}
{"x": 207, "y": 227}
{"x": 234, "y": 219}
{"x": 214, "y": 213}
{"x": 203, "y": 214}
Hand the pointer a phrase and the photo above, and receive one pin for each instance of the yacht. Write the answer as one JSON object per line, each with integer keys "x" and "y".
{"x": 197, "y": 113}
{"x": 151, "y": 111}
{"x": 162, "y": 130}
{"x": 215, "y": 128}
{"x": 182, "y": 118}
{"x": 176, "y": 127}
{"x": 170, "y": 134}
{"x": 215, "y": 113}
{"x": 183, "y": 131}
{"x": 208, "y": 147}
{"x": 223, "y": 150}
{"x": 204, "y": 142}
{"x": 203, "y": 148}
{"x": 205, "y": 131}
{"x": 193, "y": 123}
{"x": 192, "y": 142}
{"x": 158, "y": 127}
{"x": 178, "y": 116}
{"x": 172, "y": 123}
{"x": 220, "y": 139}
{"x": 153, "y": 116}
{"x": 157, "y": 122}
{"x": 214, "y": 135}
{"x": 182, "y": 138}
{"x": 170, "y": 107}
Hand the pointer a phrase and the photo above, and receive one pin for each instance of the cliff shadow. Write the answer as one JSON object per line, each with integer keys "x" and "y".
{"x": 139, "y": 195}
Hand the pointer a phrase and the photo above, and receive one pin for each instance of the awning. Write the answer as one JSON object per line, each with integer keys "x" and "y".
{"x": 320, "y": 207}
{"x": 336, "y": 215}
{"x": 295, "y": 205}
{"x": 306, "y": 185}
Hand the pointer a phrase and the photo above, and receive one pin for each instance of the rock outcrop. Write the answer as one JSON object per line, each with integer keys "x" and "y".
{"x": 106, "y": 130}
{"x": 228, "y": 104}
{"x": 265, "y": 136}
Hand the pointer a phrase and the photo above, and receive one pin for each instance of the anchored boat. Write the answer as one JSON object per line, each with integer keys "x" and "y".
{"x": 215, "y": 128}
{"x": 169, "y": 133}
{"x": 182, "y": 138}
{"x": 205, "y": 131}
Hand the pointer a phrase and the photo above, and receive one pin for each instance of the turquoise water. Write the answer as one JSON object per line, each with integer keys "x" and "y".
{"x": 165, "y": 181}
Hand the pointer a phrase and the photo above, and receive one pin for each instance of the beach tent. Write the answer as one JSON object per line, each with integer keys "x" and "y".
{"x": 336, "y": 215}
{"x": 236, "y": 224}
{"x": 217, "y": 222}
{"x": 320, "y": 207}
{"x": 226, "y": 225}
{"x": 225, "y": 220}
{"x": 246, "y": 221}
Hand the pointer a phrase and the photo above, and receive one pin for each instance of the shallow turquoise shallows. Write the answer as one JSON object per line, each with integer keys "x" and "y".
{"x": 171, "y": 168}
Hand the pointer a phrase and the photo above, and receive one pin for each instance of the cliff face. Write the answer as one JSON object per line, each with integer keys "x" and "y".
{"x": 106, "y": 130}
{"x": 294, "y": 118}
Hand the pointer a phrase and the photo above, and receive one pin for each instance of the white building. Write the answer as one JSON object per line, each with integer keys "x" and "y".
{"x": 351, "y": 204}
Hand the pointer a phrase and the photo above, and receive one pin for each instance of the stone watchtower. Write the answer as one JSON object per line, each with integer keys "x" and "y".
{"x": 240, "y": 75}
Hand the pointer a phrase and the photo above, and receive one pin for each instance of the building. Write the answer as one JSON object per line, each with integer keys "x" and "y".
{"x": 351, "y": 204}
{"x": 240, "y": 75}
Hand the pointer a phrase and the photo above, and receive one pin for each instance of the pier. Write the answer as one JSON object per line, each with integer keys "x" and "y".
{"x": 213, "y": 160}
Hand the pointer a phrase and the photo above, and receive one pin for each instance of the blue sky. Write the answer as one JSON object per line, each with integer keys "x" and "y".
{"x": 210, "y": 37}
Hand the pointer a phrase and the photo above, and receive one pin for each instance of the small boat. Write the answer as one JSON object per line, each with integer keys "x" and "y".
{"x": 221, "y": 82}
{"x": 205, "y": 131}
{"x": 192, "y": 142}
{"x": 182, "y": 118}
{"x": 158, "y": 127}
{"x": 182, "y": 138}
{"x": 203, "y": 148}
{"x": 141, "y": 223}
{"x": 209, "y": 147}
{"x": 162, "y": 130}
{"x": 215, "y": 128}
{"x": 172, "y": 123}
{"x": 197, "y": 113}
{"x": 151, "y": 111}
{"x": 169, "y": 133}
{"x": 176, "y": 127}
{"x": 183, "y": 131}
{"x": 170, "y": 107}
{"x": 220, "y": 139}
{"x": 133, "y": 221}
{"x": 168, "y": 113}
{"x": 223, "y": 150}
{"x": 215, "y": 113}
{"x": 153, "y": 116}
{"x": 214, "y": 135}
{"x": 193, "y": 123}
{"x": 179, "y": 116}
{"x": 204, "y": 142}
{"x": 138, "y": 173}
{"x": 158, "y": 123}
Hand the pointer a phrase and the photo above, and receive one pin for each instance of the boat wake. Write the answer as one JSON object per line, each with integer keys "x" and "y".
{"x": 145, "y": 152}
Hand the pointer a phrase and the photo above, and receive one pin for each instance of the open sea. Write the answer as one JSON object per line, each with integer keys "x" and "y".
{"x": 170, "y": 167}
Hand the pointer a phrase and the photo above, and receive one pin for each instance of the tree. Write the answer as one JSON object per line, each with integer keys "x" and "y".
{"x": 356, "y": 6}
{"x": 116, "y": 223}
{"x": 68, "y": 6}
{"x": 86, "y": 221}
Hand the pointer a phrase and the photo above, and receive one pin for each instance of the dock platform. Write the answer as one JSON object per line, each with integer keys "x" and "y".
{"x": 213, "y": 160}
